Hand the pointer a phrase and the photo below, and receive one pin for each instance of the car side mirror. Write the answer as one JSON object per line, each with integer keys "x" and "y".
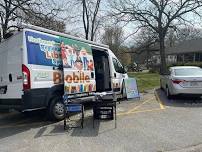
{"x": 167, "y": 72}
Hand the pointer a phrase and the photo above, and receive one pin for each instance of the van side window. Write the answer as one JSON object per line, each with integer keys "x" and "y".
{"x": 117, "y": 65}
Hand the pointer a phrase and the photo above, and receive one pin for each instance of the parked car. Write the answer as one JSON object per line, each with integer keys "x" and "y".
{"x": 182, "y": 80}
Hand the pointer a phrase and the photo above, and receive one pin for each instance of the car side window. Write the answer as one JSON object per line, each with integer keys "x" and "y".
{"x": 118, "y": 66}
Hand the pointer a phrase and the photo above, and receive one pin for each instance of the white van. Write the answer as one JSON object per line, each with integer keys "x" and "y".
{"x": 37, "y": 65}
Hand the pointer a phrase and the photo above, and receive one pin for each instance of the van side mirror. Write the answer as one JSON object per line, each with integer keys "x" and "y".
{"x": 168, "y": 72}
{"x": 125, "y": 69}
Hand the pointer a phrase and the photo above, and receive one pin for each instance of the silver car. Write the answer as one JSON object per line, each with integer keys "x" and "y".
{"x": 182, "y": 80}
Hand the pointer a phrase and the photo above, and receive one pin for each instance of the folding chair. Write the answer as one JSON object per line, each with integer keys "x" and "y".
{"x": 73, "y": 108}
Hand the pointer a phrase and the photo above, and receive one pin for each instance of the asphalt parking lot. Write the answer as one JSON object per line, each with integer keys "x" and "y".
{"x": 151, "y": 124}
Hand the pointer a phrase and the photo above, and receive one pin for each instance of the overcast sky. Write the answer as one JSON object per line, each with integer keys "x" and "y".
{"x": 77, "y": 26}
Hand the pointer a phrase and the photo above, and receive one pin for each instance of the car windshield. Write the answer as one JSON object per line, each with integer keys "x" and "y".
{"x": 188, "y": 72}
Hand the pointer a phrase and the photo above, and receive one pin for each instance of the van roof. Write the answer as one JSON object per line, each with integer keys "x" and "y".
{"x": 41, "y": 29}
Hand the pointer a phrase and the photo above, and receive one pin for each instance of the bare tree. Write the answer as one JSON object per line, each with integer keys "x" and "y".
{"x": 158, "y": 15}
{"x": 47, "y": 21}
{"x": 90, "y": 10}
{"x": 146, "y": 44}
{"x": 113, "y": 36}
{"x": 9, "y": 12}
{"x": 188, "y": 33}
{"x": 13, "y": 11}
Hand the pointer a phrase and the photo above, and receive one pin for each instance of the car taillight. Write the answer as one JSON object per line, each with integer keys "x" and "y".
{"x": 178, "y": 81}
{"x": 26, "y": 77}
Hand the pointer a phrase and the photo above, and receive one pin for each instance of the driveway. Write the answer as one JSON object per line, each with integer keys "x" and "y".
{"x": 151, "y": 124}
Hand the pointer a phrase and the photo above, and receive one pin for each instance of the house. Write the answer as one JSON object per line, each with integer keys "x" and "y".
{"x": 186, "y": 51}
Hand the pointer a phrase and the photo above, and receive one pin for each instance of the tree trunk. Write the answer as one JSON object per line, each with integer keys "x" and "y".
{"x": 4, "y": 30}
{"x": 163, "y": 66}
{"x": 0, "y": 35}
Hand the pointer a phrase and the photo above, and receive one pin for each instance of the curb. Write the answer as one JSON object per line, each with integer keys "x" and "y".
{"x": 159, "y": 100}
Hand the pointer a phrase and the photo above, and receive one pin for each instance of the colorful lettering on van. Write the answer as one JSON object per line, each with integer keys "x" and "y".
{"x": 78, "y": 66}
{"x": 43, "y": 49}
{"x": 75, "y": 56}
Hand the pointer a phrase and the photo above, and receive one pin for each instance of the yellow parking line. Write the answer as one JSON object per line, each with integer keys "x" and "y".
{"x": 139, "y": 111}
{"x": 159, "y": 100}
{"x": 135, "y": 108}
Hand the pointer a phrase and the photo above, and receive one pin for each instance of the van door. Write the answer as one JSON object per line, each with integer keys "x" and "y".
{"x": 118, "y": 75}
{"x": 42, "y": 59}
{"x": 78, "y": 67}
{"x": 41, "y": 62}
{"x": 10, "y": 70}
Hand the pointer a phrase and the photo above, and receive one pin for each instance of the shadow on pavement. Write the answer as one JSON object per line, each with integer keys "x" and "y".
{"x": 88, "y": 130}
{"x": 15, "y": 122}
{"x": 58, "y": 129}
{"x": 179, "y": 101}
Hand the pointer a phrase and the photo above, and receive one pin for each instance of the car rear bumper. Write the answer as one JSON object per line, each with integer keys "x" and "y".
{"x": 189, "y": 91}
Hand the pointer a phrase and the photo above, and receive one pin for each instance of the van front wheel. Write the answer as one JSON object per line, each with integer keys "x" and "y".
{"x": 123, "y": 91}
{"x": 56, "y": 108}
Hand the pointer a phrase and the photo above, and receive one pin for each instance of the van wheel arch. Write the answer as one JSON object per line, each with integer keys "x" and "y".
{"x": 56, "y": 108}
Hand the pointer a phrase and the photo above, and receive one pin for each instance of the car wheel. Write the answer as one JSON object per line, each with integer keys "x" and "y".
{"x": 169, "y": 96}
{"x": 56, "y": 108}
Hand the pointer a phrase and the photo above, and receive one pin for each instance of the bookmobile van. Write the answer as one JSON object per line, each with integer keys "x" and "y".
{"x": 37, "y": 65}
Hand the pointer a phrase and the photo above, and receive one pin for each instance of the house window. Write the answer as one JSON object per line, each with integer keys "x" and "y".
{"x": 189, "y": 57}
{"x": 197, "y": 57}
{"x": 179, "y": 58}
{"x": 200, "y": 56}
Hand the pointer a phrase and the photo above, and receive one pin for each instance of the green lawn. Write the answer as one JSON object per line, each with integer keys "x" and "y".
{"x": 145, "y": 80}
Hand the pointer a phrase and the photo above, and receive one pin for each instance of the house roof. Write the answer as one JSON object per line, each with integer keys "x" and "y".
{"x": 188, "y": 46}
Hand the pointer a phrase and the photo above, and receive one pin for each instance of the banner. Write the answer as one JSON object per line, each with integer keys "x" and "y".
{"x": 131, "y": 88}
{"x": 43, "y": 49}
{"x": 74, "y": 56}
{"x": 78, "y": 66}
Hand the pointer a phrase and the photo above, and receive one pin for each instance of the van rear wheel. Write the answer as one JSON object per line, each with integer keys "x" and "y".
{"x": 56, "y": 108}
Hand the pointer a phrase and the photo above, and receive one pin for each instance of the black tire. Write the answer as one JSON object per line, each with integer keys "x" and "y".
{"x": 161, "y": 85}
{"x": 169, "y": 96}
{"x": 123, "y": 91}
{"x": 56, "y": 108}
